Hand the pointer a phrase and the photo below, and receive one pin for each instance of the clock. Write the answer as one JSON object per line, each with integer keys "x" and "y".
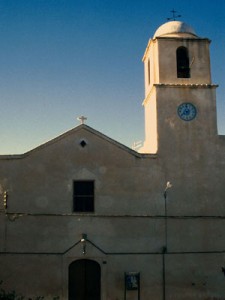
{"x": 187, "y": 111}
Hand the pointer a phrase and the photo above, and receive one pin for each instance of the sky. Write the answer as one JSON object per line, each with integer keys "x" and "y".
{"x": 60, "y": 59}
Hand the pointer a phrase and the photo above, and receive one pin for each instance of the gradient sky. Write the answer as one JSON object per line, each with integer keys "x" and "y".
{"x": 60, "y": 59}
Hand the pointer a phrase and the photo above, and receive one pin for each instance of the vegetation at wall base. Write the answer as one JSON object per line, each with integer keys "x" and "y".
{"x": 11, "y": 295}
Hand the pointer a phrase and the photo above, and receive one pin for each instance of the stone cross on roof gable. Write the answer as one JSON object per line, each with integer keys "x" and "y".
{"x": 82, "y": 119}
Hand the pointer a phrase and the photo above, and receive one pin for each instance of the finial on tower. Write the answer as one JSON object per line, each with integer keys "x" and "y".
{"x": 175, "y": 16}
{"x": 82, "y": 119}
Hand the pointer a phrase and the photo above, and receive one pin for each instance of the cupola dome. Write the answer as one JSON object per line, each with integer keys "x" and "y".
{"x": 174, "y": 28}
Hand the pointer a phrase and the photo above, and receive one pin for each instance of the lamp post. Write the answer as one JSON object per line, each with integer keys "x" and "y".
{"x": 168, "y": 186}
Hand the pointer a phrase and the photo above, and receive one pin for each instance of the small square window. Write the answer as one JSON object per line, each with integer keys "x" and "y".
{"x": 83, "y": 196}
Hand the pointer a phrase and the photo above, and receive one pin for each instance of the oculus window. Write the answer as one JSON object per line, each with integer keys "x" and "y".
{"x": 83, "y": 196}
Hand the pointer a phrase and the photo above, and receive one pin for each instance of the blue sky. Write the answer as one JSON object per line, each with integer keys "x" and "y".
{"x": 63, "y": 58}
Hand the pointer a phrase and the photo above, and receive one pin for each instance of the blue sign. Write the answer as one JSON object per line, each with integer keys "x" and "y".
{"x": 132, "y": 280}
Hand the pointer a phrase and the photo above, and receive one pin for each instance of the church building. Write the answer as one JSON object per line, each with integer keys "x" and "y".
{"x": 83, "y": 217}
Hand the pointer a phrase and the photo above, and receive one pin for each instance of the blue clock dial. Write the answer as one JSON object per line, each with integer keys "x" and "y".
{"x": 187, "y": 111}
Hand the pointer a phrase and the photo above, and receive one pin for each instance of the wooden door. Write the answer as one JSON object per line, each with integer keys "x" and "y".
{"x": 84, "y": 280}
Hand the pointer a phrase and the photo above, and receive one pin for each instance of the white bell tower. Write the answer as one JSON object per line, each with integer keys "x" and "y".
{"x": 179, "y": 96}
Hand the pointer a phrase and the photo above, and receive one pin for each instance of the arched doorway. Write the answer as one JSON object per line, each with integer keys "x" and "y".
{"x": 84, "y": 280}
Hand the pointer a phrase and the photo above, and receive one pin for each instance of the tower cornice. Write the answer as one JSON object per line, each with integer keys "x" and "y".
{"x": 147, "y": 48}
{"x": 178, "y": 85}
{"x": 181, "y": 38}
{"x": 189, "y": 85}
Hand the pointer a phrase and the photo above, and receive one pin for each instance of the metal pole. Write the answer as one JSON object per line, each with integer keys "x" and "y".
{"x": 164, "y": 277}
{"x": 165, "y": 195}
{"x": 168, "y": 185}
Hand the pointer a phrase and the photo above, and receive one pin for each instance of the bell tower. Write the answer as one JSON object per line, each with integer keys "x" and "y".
{"x": 180, "y": 101}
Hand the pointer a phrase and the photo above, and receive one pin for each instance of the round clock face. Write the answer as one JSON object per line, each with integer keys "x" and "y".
{"x": 187, "y": 111}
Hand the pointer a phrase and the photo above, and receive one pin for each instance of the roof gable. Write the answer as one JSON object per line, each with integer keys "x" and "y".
{"x": 78, "y": 130}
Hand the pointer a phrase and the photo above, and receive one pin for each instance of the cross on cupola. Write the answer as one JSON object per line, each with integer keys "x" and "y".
{"x": 175, "y": 16}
